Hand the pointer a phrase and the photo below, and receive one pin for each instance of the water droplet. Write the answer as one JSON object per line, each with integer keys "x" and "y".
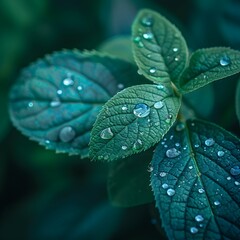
{"x": 235, "y": 170}
{"x": 147, "y": 21}
{"x": 190, "y": 167}
{"x": 106, "y": 133}
{"x": 201, "y": 225}
{"x": 30, "y": 104}
{"x": 149, "y": 55}
{"x": 140, "y": 72}
{"x": 237, "y": 183}
{"x": 165, "y": 186}
{"x": 224, "y": 61}
{"x": 152, "y": 70}
{"x": 176, "y": 59}
{"x": 137, "y": 145}
{"x": 180, "y": 127}
{"x": 220, "y": 153}
{"x": 216, "y": 203}
{"x": 55, "y": 103}
{"x": 79, "y": 88}
{"x": 201, "y": 190}
{"x": 141, "y": 110}
{"x": 162, "y": 174}
{"x": 158, "y": 105}
{"x": 160, "y": 86}
{"x": 193, "y": 230}
{"x": 120, "y": 86}
{"x": 68, "y": 81}
{"x": 47, "y": 141}
{"x": 170, "y": 192}
{"x": 124, "y": 147}
{"x": 209, "y": 142}
{"x": 59, "y": 92}
{"x": 175, "y": 49}
{"x": 137, "y": 39}
{"x": 124, "y": 108}
{"x": 67, "y": 134}
{"x": 172, "y": 153}
{"x": 150, "y": 169}
{"x": 177, "y": 144}
{"x": 148, "y": 36}
{"x": 196, "y": 145}
{"x": 229, "y": 178}
{"x": 199, "y": 218}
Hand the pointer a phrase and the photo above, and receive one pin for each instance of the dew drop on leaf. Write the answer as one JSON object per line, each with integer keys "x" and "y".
{"x": 196, "y": 145}
{"x": 170, "y": 192}
{"x": 164, "y": 185}
{"x": 124, "y": 108}
{"x": 235, "y": 170}
{"x": 152, "y": 70}
{"x": 199, "y": 218}
{"x": 124, "y": 147}
{"x": 220, "y": 153}
{"x": 30, "y": 104}
{"x": 176, "y": 59}
{"x": 141, "y": 110}
{"x": 67, "y": 134}
{"x": 224, "y": 61}
{"x": 137, "y": 145}
{"x": 201, "y": 190}
{"x": 68, "y": 81}
{"x": 193, "y": 230}
{"x": 160, "y": 86}
{"x": 59, "y": 92}
{"x": 158, "y": 105}
{"x": 139, "y": 71}
{"x": 150, "y": 169}
{"x": 120, "y": 86}
{"x": 162, "y": 174}
{"x": 180, "y": 127}
{"x": 106, "y": 133}
{"x": 229, "y": 178}
{"x": 55, "y": 103}
{"x": 175, "y": 49}
{"x": 209, "y": 142}
{"x": 79, "y": 88}
{"x": 237, "y": 183}
{"x": 172, "y": 153}
{"x": 148, "y": 36}
{"x": 216, "y": 203}
{"x": 147, "y": 21}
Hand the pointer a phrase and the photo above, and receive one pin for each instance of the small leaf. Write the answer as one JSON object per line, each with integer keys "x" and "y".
{"x": 208, "y": 65}
{"x": 133, "y": 120}
{"x": 128, "y": 181}
{"x": 56, "y": 100}
{"x": 159, "y": 48}
{"x": 238, "y": 101}
{"x": 196, "y": 182}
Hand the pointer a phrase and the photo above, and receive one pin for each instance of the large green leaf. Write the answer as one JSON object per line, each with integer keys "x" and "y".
{"x": 56, "y": 100}
{"x": 159, "y": 49}
{"x": 196, "y": 182}
{"x": 133, "y": 120}
{"x": 238, "y": 101}
{"x": 208, "y": 65}
{"x": 128, "y": 180}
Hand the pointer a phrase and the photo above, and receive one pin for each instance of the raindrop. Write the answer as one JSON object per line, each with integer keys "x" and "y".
{"x": 196, "y": 145}
{"x": 149, "y": 55}
{"x": 140, "y": 72}
{"x": 120, "y": 86}
{"x": 147, "y": 21}
{"x": 141, "y": 110}
{"x": 180, "y": 127}
{"x": 124, "y": 147}
{"x": 190, "y": 167}
{"x": 148, "y": 36}
{"x": 172, "y": 153}
{"x": 170, "y": 192}
{"x": 59, "y": 92}
{"x": 199, "y": 218}
{"x": 175, "y": 49}
{"x": 224, "y": 61}
{"x": 124, "y": 108}
{"x": 209, "y": 142}
{"x": 79, "y": 88}
{"x": 30, "y": 104}
{"x": 165, "y": 186}
{"x": 216, "y": 203}
{"x": 162, "y": 174}
{"x": 201, "y": 190}
{"x": 137, "y": 39}
{"x": 55, "y": 103}
{"x": 152, "y": 70}
{"x": 237, "y": 183}
{"x": 193, "y": 230}
{"x": 229, "y": 178}
{"x": 106, "y": 133}
{"x": 47, "y": 141}
{"x": 177, "y": 144}
{"x": 150, "y": 169}
{"x": 160, "y": 87}
{"x": 220, "y": 153}
{"x": 158, "y": 105}
{"x": 235, "y": 170}
{"x": 137, "y": 145}
{"x": 68, "y": 81}
{"x": 176, "y": 59}
{"x": 67, "y": 134}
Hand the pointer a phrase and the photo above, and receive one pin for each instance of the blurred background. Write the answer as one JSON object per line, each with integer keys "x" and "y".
{"x": 53, "y": 196}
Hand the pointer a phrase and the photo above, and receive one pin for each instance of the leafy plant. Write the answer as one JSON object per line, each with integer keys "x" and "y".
{"x": 195, "y": 168}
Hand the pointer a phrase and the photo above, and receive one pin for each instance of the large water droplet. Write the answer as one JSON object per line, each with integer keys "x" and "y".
{"x": 199, "y": 218}
{"x": 193, "y": 230}
{"x": 160, "y": 87}
{"x": 147, "y": 21}
{"x": 224, "y": 61}
{"x": 141, "y": 110}
{"x": 137, "y": 39}
{"x": 237, "y": 183}
{"x": 220, "y": 153}
{"x": 158, "y": 105}
{"x": 137, "y": 145}
{"x": 229, "y": 178}
{"x": 162, "y": 174}
{"x": 68, "y": 81}
{"x": 106, "y": 133}
{"x": 165, "y": 186}
{"x": 180, "y": 127}
{"x": 67, "y": 134}
{"x": 59, "y": 92}
{"x": 175, "y": 49}
{"x": 124, "y": 147}
{"x": 170, "y": 192}
{"x": 235, "y": 170}
{"x": 124, "y": 108}
{"x": 152, "y": 70}
{"x": 55, "y": 103}
{"x": 209, "y": 142}
{"x": 148, "y": 36}
{"x": 201, "y": 190}
{"x": 216, "y": 203}
{"x": 140, "y": 72}
{"x": 30, "y": 104}
{"x": 79, "y": 88}
{"x": 196, "y": 145}
{"x": 172, "y": 153}
{"x": 150, "y": 169}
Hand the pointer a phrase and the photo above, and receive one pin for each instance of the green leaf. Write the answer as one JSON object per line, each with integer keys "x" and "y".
{"x": 128, "y": 181}
{"x": 5, "y": 121}
{"x": 208, "y": 65}
{"x": 159, "y": 48}
{"x": 133, "y": 120}
{"x": 120, "y": 47}
{"x": 56, "y": 100}
{"x": 238, "y": 101}
{"x": 196, "y": 182}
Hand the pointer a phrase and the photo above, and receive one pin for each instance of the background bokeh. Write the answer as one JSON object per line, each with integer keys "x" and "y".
{"x": 53, "y": 196}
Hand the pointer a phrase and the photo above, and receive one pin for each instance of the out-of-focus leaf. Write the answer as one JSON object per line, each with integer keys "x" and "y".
{"x": 120, "y": 47}
{"x": 238, "y": 101}
{"x": 128, "y": 181}
{"x": 56, "y": 100}
{"x": 133, "y": 120}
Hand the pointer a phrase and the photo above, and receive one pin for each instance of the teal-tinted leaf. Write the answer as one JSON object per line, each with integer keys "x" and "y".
{"x": 128, "y": 180}
{"x": 196, "y": 182}
{"x": 133, "y": 120}
{"x": 159, "y": 49}
{"x": 208, "y": 65}
{"x": 120, "y": 47}
{"x": 4, "y": 122}
{"x": 56, "y": 100}
{"x": 238, "y": 101}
